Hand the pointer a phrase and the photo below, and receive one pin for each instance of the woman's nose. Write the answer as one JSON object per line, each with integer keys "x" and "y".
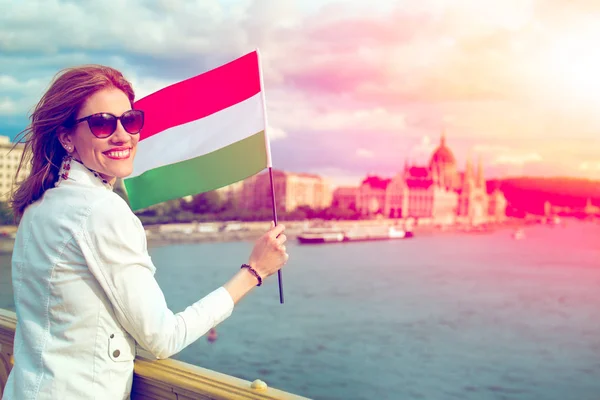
{"x": 120, "y": 135}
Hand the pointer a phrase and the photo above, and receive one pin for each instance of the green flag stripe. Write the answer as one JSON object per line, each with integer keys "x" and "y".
{"x": 211, "y": 171}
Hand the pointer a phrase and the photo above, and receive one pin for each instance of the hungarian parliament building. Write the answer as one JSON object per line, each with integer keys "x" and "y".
{"x": 437, "y": 191}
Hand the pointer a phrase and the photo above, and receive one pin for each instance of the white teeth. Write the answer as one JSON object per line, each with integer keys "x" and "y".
{"x": 118, "y": 154}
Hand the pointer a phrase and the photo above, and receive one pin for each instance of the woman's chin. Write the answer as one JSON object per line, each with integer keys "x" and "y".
{"x": 122, "y": 172}
{"x": 112, "y": 176}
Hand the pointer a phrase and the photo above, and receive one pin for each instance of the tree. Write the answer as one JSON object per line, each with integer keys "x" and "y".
{"x": 296, "y": 215}
{"x": 336, "y": 213}
{"x": 206, "y": 203}
{"x": 307, "y": 211}
{"x": 168, "y": 208}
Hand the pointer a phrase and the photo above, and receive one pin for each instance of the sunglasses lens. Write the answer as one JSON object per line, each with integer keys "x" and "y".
{"x": 102, "y": 125}
{"x": 133, "y": 121}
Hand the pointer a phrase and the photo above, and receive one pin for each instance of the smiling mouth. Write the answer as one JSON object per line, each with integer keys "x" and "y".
{"x": 121, "y": 154}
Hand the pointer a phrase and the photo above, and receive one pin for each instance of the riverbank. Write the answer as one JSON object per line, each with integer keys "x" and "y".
{"x": 247, "y": 231}
{"x": 165, "y": 234}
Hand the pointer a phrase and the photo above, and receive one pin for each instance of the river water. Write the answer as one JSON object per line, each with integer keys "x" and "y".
{"x": 437, "y": 317}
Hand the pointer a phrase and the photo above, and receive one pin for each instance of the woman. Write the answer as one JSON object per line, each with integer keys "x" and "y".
{"x": 83, "y": 281}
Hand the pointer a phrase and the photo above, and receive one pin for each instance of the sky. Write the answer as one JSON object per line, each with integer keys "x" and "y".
{"x": 352, "y": 87}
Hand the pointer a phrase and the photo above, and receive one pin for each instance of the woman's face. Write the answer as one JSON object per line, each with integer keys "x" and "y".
{"x": 111, "y": 157}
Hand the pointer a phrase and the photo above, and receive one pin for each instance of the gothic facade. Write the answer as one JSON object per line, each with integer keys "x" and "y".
{"x": 436, "y": 191}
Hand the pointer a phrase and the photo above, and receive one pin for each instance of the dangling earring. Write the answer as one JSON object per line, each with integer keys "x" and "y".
{"x": 63, "y": 174}
{"x": 66, "y": 164}
{"x": 66, "y": 168}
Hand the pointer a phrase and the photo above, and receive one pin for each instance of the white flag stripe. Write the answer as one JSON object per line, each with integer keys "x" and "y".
{"x": 200, "y": 137}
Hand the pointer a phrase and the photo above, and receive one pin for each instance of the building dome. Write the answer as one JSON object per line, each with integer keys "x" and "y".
{"x": 443, "y": 166}
{"x": 442, "y": 155}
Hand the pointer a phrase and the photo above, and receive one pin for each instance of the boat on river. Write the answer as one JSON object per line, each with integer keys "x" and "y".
{"x": 321, "y": 235}
{"x": 362, "y": 233}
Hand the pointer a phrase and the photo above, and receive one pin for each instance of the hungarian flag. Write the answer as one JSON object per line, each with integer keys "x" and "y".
{"x": 201, "y": 134}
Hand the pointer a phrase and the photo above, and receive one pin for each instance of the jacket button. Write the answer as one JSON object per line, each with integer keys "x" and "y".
{"x": 116, "y": 353}
{"x": 112, "y": 336}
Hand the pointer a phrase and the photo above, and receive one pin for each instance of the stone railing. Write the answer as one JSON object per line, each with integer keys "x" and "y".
{"x": 160, "y": 379}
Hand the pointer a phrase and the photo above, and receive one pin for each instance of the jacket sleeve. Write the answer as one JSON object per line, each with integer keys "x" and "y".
{"x": 113, "y": 243}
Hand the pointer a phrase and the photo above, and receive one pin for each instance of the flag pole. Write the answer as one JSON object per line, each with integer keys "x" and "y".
{"x": 269, "y": 163}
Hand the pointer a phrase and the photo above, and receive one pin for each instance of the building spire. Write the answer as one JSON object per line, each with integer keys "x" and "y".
{"x": 480, "y": 180}
{"x": 469, "y": 167}
{"x": 443, "y": 138}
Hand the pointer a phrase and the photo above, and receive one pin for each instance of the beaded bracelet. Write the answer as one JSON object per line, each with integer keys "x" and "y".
{"x": 253, "y": 272}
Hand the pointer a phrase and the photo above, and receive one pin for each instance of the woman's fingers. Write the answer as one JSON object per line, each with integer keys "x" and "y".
{"x": 281, "y": 239}
{"x": 274, "y": 232}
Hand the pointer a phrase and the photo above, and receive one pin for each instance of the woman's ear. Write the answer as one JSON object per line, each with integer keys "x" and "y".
{"x": 65, "y": 138}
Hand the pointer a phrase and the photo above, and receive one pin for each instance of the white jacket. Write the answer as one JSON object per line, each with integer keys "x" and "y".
{"x": 85, "y": 292}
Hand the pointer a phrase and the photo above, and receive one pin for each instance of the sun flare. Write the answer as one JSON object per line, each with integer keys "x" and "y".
{"x": 573, "y": 66}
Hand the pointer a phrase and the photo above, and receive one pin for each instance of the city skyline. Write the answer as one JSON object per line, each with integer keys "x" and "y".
{"x": 351, "y": 89}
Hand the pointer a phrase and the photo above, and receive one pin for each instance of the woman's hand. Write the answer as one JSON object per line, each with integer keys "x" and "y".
{"x": 269, "y": 253}
{"x": 267, "y": 257}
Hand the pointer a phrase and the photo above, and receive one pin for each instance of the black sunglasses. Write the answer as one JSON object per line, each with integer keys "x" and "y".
{"x": 102, "y": 125}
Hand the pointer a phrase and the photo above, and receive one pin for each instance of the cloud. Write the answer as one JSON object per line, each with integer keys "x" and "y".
{"x": 517, "y": 159}
{"x": 10, "y": 84}
{"x": 295, "y": 110}
{"x": 486, "y": 148}
{"x": 501, "y": 159}
{"x": 590, "y": 166}
{"x": 338, "y": 176}
{"x": 395, "y": 71}
{"x": 436, "y": 53}
{"x": 52, "y": 26}
{"x": 7, "y": 106}
{"x": 364, "y": 153}
{"x": 276, "y": 133}
{"x": 19, "y": 95}
{"x": 422, "y": 151}
{"x": 146, "y": 85}
{"x": 589, "y": 169}
{"x": 363, "y": 119}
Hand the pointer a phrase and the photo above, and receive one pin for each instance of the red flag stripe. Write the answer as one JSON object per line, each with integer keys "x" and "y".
{"x": 200, "y": 96}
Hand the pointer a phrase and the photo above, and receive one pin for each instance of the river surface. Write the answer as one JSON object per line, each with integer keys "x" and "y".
{"x": 439, "y": 317}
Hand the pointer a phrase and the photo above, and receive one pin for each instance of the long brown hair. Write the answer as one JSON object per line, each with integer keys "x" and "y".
{"x": 56, "y": 110}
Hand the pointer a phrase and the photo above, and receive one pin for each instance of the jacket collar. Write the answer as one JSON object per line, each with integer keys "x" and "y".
{"x": 75, "y": 172}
